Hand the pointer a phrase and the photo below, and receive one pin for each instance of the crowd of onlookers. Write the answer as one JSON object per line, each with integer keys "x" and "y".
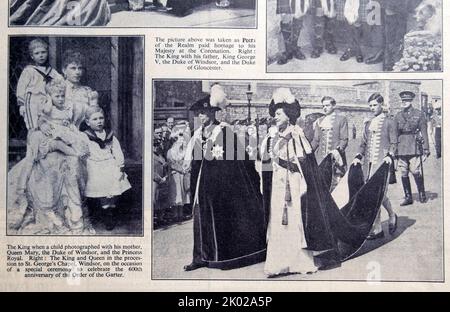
{"x": 171, "y": 185}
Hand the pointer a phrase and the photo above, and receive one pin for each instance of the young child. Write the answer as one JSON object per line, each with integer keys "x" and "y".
{"x": 106, "y": 179}
{"x": 62, "y": 134}
{"x": 55, "y": 132}
{"x": 30, "y": 91}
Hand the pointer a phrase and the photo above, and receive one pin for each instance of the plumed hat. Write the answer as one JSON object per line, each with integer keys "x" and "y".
{"x": 283, "y": 98}
{"x": 216, "y": 101}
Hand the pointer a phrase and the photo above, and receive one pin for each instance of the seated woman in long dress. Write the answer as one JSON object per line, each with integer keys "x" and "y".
{"x": 286, "y": 242}
{"x": 53, "y": 182}
{"x": 60, "y": 12}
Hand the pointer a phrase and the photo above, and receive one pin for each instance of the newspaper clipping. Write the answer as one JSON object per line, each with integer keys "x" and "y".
{"x": 223, "y": 145}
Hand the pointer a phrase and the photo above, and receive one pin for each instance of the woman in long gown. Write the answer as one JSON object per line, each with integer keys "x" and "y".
{"x": 60, "y": 12}
{"x": 286, "y": 242}
{"x": 52, "y": 181}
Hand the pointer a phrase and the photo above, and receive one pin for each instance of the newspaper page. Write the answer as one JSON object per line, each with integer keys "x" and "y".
{"x": 223, "y": 145}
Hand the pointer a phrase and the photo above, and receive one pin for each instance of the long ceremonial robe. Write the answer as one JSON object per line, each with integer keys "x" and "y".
{"x": 339, "y": 233}
{"x": 60, "y": 12}
{"x": 229, "y": 218}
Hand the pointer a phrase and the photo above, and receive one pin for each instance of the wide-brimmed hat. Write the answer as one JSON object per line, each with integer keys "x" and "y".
{"x": 283, "y": 98}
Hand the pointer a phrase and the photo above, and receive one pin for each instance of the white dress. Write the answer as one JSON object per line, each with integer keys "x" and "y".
{"x": 103, "y": 170}
{"x": 286, "y": 244}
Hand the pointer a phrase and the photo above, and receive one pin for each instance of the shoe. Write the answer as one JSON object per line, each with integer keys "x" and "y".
{"x": 331, "y": 48}
{"x": 346, "y": 56}
{"x": 194, "y": 266}
{"x": 316, "y": 53}
{"x": 423, "y": 197}
{"x": 298, "y": 54}
{"x": 375, "y": 236}
{"x": 393, "y": 226}
{"x": 284, "y": 58}
{"x": 360, "y": 58}
{"x": 376, "y": 58}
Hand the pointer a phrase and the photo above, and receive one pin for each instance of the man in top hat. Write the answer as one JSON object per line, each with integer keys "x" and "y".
{"x": 229, "y": 218}
{"x": 412, "y": 146}
{"x": 331, "y": 136}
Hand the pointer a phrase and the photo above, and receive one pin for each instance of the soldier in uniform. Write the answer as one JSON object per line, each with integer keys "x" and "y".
{"x": 331, "y": 136}
{"x": 378, "y": 145}
{"x": 413, "y": 145}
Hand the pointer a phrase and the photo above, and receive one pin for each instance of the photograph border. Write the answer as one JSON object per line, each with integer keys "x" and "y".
{"x": 133, "y": 27}
{"x": 142, "y": 37}
{"x": 443, "y": 281}
{"x": 442, "y": 71}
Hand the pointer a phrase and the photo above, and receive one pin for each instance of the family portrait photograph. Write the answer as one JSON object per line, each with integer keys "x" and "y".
{"x": 75, "y": 136}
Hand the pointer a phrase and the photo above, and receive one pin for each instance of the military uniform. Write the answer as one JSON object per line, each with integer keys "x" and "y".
{"x": 413, "y": 144}
{"x": 331, "y": 133}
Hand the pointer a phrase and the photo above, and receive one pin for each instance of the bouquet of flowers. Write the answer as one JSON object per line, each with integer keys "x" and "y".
{"x": 422, "y": 52}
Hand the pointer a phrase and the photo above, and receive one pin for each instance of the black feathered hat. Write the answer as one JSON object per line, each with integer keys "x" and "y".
{"x": 283, "y": 98}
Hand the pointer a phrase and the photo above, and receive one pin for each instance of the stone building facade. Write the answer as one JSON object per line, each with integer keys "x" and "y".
{"x": 173, "y": 98}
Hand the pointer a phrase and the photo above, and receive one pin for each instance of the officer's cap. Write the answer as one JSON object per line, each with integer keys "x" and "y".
{"x": 407, "y": 95}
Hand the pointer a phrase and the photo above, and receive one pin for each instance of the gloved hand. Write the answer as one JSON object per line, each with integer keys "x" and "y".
{"x": 426, "y": 153}
{"x": 388, "y": 160}
{"x": 356, "y": 161}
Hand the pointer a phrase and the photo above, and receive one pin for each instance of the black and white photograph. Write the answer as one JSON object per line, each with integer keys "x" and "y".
{"x": 354, "y": 36}
{"x": 134, "y": 13}
{"x": 75, "y": 136}
{"x": 314, "y": 180}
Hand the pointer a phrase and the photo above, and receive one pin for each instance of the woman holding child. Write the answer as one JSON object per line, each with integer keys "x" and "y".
{"x": 46, "y": 188}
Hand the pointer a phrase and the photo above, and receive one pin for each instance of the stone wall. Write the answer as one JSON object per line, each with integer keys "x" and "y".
{"x": 351, "y": 98}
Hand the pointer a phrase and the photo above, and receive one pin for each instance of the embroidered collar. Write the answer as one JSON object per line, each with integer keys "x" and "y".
{"x": 94, "y": 138}
{"x": 46, "y": 74}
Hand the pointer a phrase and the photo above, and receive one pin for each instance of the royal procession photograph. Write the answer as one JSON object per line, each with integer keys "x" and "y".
{"x": 312, "y": 180}
{"x": 354, "y": 36}
{"x": 75, "y": 136}
{"x": 134, "y": 13}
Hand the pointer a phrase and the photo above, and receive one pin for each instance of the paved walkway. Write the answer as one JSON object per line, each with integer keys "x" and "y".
{"x": 414, "y": 253}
